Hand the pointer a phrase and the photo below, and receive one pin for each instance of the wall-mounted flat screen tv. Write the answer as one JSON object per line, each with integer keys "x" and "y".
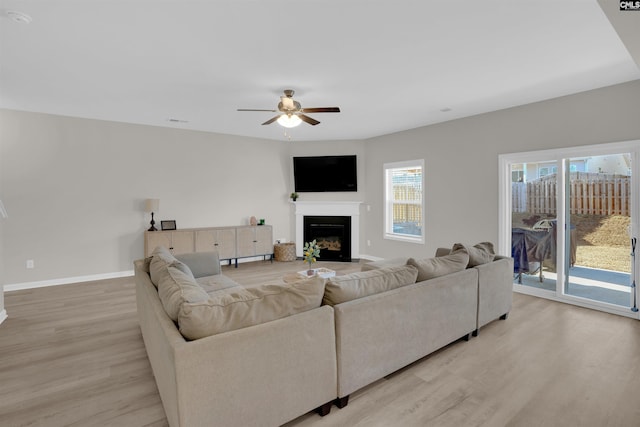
{"x": 325, "y": 173}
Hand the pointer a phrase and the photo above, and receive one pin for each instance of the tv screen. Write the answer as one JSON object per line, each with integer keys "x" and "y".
{"x": 325, "y": 173}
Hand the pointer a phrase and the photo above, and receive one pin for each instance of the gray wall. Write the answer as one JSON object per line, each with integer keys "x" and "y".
{"x": 461, "y": 161}
{"x": 75, "y": 189}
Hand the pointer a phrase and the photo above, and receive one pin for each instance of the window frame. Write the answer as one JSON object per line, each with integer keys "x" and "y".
{"x": 388, "y": 232}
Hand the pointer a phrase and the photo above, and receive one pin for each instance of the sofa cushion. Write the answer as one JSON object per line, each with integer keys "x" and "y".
{"x": 160, "y": 259}
{"x": 479, "y": 254}
{"x": 178, "y": 287}
{"x": 440, "y": 266}
{"x": 245, "y": 307}
{"x": 216, "y": 283}
{"x": 384, "y": 263}
{"x": 352, "y": 286}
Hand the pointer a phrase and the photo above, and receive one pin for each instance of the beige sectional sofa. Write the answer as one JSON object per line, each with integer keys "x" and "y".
{"x": 457, "y": 292}
{"x": 305, "y": 353}
{"x": 260, "y": 375}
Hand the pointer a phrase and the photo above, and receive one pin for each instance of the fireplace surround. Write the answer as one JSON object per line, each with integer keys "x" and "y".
{"x": 329, "y": 209}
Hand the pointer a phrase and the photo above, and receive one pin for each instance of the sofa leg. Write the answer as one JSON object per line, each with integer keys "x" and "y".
{"x": 467, "y": 337}
{"x": 475, "y": 333}
{"x": 504, "y": 316}
{"x": 324, "y": 409}
{"x": 341, "y": 402}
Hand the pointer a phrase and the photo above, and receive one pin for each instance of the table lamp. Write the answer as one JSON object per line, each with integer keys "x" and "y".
{"x": 152, "y": 205}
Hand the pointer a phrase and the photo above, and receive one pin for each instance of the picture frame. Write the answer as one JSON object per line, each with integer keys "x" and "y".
{"x": 168, "y": 225}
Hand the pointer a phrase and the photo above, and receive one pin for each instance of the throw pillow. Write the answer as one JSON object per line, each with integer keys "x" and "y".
{"x": 236, "y": 309}
{"x": 178, "y": 287}
{"x": 352, "y": 286}
{"x": 160, "y": 259}
{"x": 440, "y": 266}
{"x": 202, "y": 264}
{"x": 479, "y": 254}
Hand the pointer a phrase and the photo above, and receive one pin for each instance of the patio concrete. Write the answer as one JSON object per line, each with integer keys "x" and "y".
{"x": 612, "y": 287}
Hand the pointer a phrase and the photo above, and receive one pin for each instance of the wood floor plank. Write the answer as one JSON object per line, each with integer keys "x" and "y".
{"x": 73, "y": 355}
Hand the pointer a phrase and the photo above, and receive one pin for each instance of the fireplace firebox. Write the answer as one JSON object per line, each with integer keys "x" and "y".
{"x": 332, "y": 234}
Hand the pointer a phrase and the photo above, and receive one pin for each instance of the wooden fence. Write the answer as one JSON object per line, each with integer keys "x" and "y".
{"x": 587, "y": 196}
{"x": 411, "y": 211}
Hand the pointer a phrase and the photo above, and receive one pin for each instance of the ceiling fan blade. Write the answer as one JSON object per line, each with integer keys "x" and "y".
{"x": 250, "y": 109}
{"x": 308, "y": 119}
{"x": 271, "y": 120}
{"x": 321, "y": 110}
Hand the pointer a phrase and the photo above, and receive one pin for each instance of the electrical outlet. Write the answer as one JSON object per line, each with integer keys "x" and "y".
{"x": 30, "y": 264}
{"x": 368, "y": 242}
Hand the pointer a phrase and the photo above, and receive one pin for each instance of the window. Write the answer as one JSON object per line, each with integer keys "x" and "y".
{"x": 404, "y": 202}
{"x": 547, "y": 170}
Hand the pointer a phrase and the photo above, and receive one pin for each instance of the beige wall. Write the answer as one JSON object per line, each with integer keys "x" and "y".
{"x": 461, "y": 161}
{"x": 75, "y": 189}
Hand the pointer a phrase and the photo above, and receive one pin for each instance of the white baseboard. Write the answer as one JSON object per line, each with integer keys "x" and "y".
{"x": 66, "y": 281}
{"x": 370, "y": 257}
{"x": 3, "y": 316}
{"x": 118, "y": 274}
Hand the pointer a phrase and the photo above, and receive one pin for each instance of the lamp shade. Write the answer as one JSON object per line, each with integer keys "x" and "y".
{"x": 289, "y": 120}
{"x": 151, "y": 205}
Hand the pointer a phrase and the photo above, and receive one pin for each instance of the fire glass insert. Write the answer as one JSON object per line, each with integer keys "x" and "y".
{"x": 332, "y": 234}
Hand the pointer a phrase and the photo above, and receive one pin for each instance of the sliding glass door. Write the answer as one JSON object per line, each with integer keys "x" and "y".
{"x": 568, "y": 218}
{"x": 598, "y": 217}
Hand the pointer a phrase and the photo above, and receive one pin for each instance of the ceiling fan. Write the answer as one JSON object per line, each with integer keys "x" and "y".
{"x": 292, "y": 113}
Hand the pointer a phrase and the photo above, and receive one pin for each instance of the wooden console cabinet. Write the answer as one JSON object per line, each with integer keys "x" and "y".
{"x": 231, "y": 243}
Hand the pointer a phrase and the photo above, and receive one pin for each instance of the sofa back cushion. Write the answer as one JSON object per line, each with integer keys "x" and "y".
{"x": 352, "y": 286}
{"x": 439, "y": 266}
{"x": 177, "y": 287}
{"x": 160, "y": 260}
{"x": 479, "y": 254}
{"x": 241, "y": 308}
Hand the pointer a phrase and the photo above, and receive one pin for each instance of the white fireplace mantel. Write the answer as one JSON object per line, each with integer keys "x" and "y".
{"x": 324, "y": 208}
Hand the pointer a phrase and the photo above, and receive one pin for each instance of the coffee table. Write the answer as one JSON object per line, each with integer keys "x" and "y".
{"x": 322, "y": 272}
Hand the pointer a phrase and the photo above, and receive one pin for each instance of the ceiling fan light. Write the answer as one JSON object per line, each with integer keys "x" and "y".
{"x": 289, "y": 120}
{"x": 287, "y": 103}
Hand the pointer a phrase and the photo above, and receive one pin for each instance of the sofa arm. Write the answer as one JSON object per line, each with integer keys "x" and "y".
{"x": 201, "y": 264}
{"x": 495, "y": 289}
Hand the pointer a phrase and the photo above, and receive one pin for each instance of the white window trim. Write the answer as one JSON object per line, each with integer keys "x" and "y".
{"x": 388, "y": 219}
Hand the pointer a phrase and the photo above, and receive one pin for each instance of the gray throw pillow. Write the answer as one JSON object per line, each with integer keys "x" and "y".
{"x": 201, "y": 263}
{"x": 440, "y": 266}
{"x": 479, "y": 254}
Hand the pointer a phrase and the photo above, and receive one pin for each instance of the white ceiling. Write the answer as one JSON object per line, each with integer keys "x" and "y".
{"x": 389, "y": 65}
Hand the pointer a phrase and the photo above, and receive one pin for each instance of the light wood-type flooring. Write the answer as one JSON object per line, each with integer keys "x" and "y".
{"x": 73, "y": 355}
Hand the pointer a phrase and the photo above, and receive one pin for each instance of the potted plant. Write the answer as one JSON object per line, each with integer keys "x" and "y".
{"x": 294, "y": 196}
{"x": 311, "y": 252}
